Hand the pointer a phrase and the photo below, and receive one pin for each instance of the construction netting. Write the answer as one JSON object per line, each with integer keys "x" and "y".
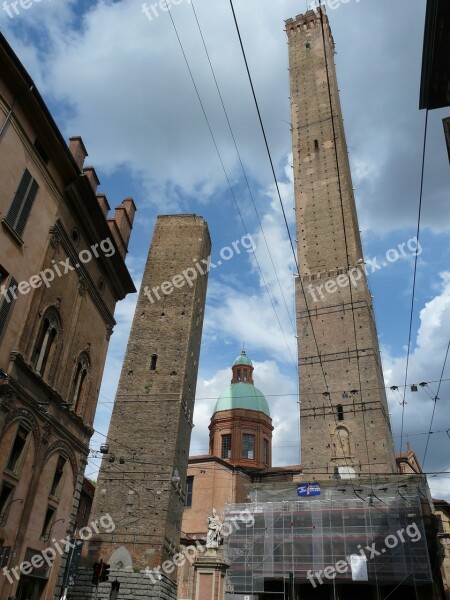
{"x": 305, "y": 536}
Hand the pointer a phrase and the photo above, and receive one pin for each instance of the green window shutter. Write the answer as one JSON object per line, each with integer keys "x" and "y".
{"x": 5, "y": 306}
{"x": 20, "y": 208}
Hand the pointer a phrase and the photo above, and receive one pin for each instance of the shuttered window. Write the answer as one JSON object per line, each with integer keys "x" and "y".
{"x": 6, "y": 304}
{"x": 22, "y": 203}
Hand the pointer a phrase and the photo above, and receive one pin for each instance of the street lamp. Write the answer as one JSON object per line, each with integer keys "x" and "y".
{"x": 46, "y": 537}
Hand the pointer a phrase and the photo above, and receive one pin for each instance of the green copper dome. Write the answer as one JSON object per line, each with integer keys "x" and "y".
{"x": 243, "y": 359}
{"x": 242, "y": 395}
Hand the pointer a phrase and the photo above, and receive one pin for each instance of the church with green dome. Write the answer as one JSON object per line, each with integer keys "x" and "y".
{"x": 241, "y": 426}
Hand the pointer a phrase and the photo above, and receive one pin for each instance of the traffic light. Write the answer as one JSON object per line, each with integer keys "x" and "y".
{"x": 96, "y": 570}
{"x": 104, "y": 574}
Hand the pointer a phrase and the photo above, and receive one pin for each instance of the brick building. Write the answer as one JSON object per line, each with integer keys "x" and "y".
{"x": 62, "y": 272}
{"x": 141, "y": 483}
{"x": 240, "y": 445}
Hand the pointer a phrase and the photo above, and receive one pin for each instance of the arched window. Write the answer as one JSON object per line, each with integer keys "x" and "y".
{"x": 153, "y": 362}
{"x": 58, "y": 477}
{"x": 340, "y": 412}
{"x": 79, "y": 380}
{"x": 342, "y": 442}
{"x": 46, "y": 342}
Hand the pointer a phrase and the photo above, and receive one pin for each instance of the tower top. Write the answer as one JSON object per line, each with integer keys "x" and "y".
{"x": 310, "y": 20}
{"x": 310, "y": 14}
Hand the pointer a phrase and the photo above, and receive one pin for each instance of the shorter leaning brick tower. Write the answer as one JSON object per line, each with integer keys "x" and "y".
{"x": 141, "y": 483}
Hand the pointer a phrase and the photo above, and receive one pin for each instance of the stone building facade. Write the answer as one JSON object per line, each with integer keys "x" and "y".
{"x": 344, "y": 417}
{"x": 141, "y": 483}
{"x": 62, "y": 272}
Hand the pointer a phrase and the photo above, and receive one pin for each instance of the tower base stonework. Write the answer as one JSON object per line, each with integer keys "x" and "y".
{"x": 131, "y": 585}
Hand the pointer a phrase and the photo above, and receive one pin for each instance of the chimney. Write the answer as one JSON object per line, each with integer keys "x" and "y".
{"x": 92, "y": 176}
{"x": 78, "y": 150}
{"x": 122, "y": 224}
{"x": 104, "y": 204}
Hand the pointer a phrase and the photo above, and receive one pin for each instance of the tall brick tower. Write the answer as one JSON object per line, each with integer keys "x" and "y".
{"x": 345, "y": 424}
{"x": 142, "y": 479}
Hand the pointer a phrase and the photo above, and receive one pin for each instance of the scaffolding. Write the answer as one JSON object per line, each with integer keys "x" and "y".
{"x": 296, "y": 537}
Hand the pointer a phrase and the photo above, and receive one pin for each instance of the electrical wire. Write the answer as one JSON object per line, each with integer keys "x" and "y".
{"x": 338, "y": 171}
{"x": 415, "y": 273}
{"x": 241, "y": 161}
{"x": 227, "y": 178}
{"x": 157, "y": 394}
{"x": 436, "y": 398}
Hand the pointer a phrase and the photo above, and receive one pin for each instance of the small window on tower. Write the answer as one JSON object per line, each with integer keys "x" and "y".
{"x": 245, "y": 374}
{"x": 153, "y": 362}
{"x": 239, "y": 375}
{"x": 189, "y": 491}
{"x": 340, "y": 412}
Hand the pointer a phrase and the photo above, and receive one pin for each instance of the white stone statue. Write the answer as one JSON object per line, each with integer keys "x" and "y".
{"x": 214, "y": 529}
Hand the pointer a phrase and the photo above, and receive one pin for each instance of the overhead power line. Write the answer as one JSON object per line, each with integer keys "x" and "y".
{"x": 227, "y": 176}
{"x": 436, "y": 398}
{"x": 241, "y": 162}
{"x": 413, "y": 296}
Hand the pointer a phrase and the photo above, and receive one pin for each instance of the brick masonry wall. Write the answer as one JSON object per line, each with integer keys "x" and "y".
{"x": 152, "y": 417}
{"x": 132, "y": 586}
{"x": 336, "y": 329}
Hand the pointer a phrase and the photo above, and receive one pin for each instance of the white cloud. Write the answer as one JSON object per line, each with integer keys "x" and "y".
{"x": 426, "y": 362}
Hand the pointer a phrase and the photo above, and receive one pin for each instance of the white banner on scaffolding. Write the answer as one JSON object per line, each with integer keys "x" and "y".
{"x": 358, "y": 564}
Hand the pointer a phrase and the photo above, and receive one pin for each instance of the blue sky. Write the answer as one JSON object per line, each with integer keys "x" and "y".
{"x": 119, "y": 80}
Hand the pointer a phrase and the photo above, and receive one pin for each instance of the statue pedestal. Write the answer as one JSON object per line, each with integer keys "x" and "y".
{"x": 209, "y": 576}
